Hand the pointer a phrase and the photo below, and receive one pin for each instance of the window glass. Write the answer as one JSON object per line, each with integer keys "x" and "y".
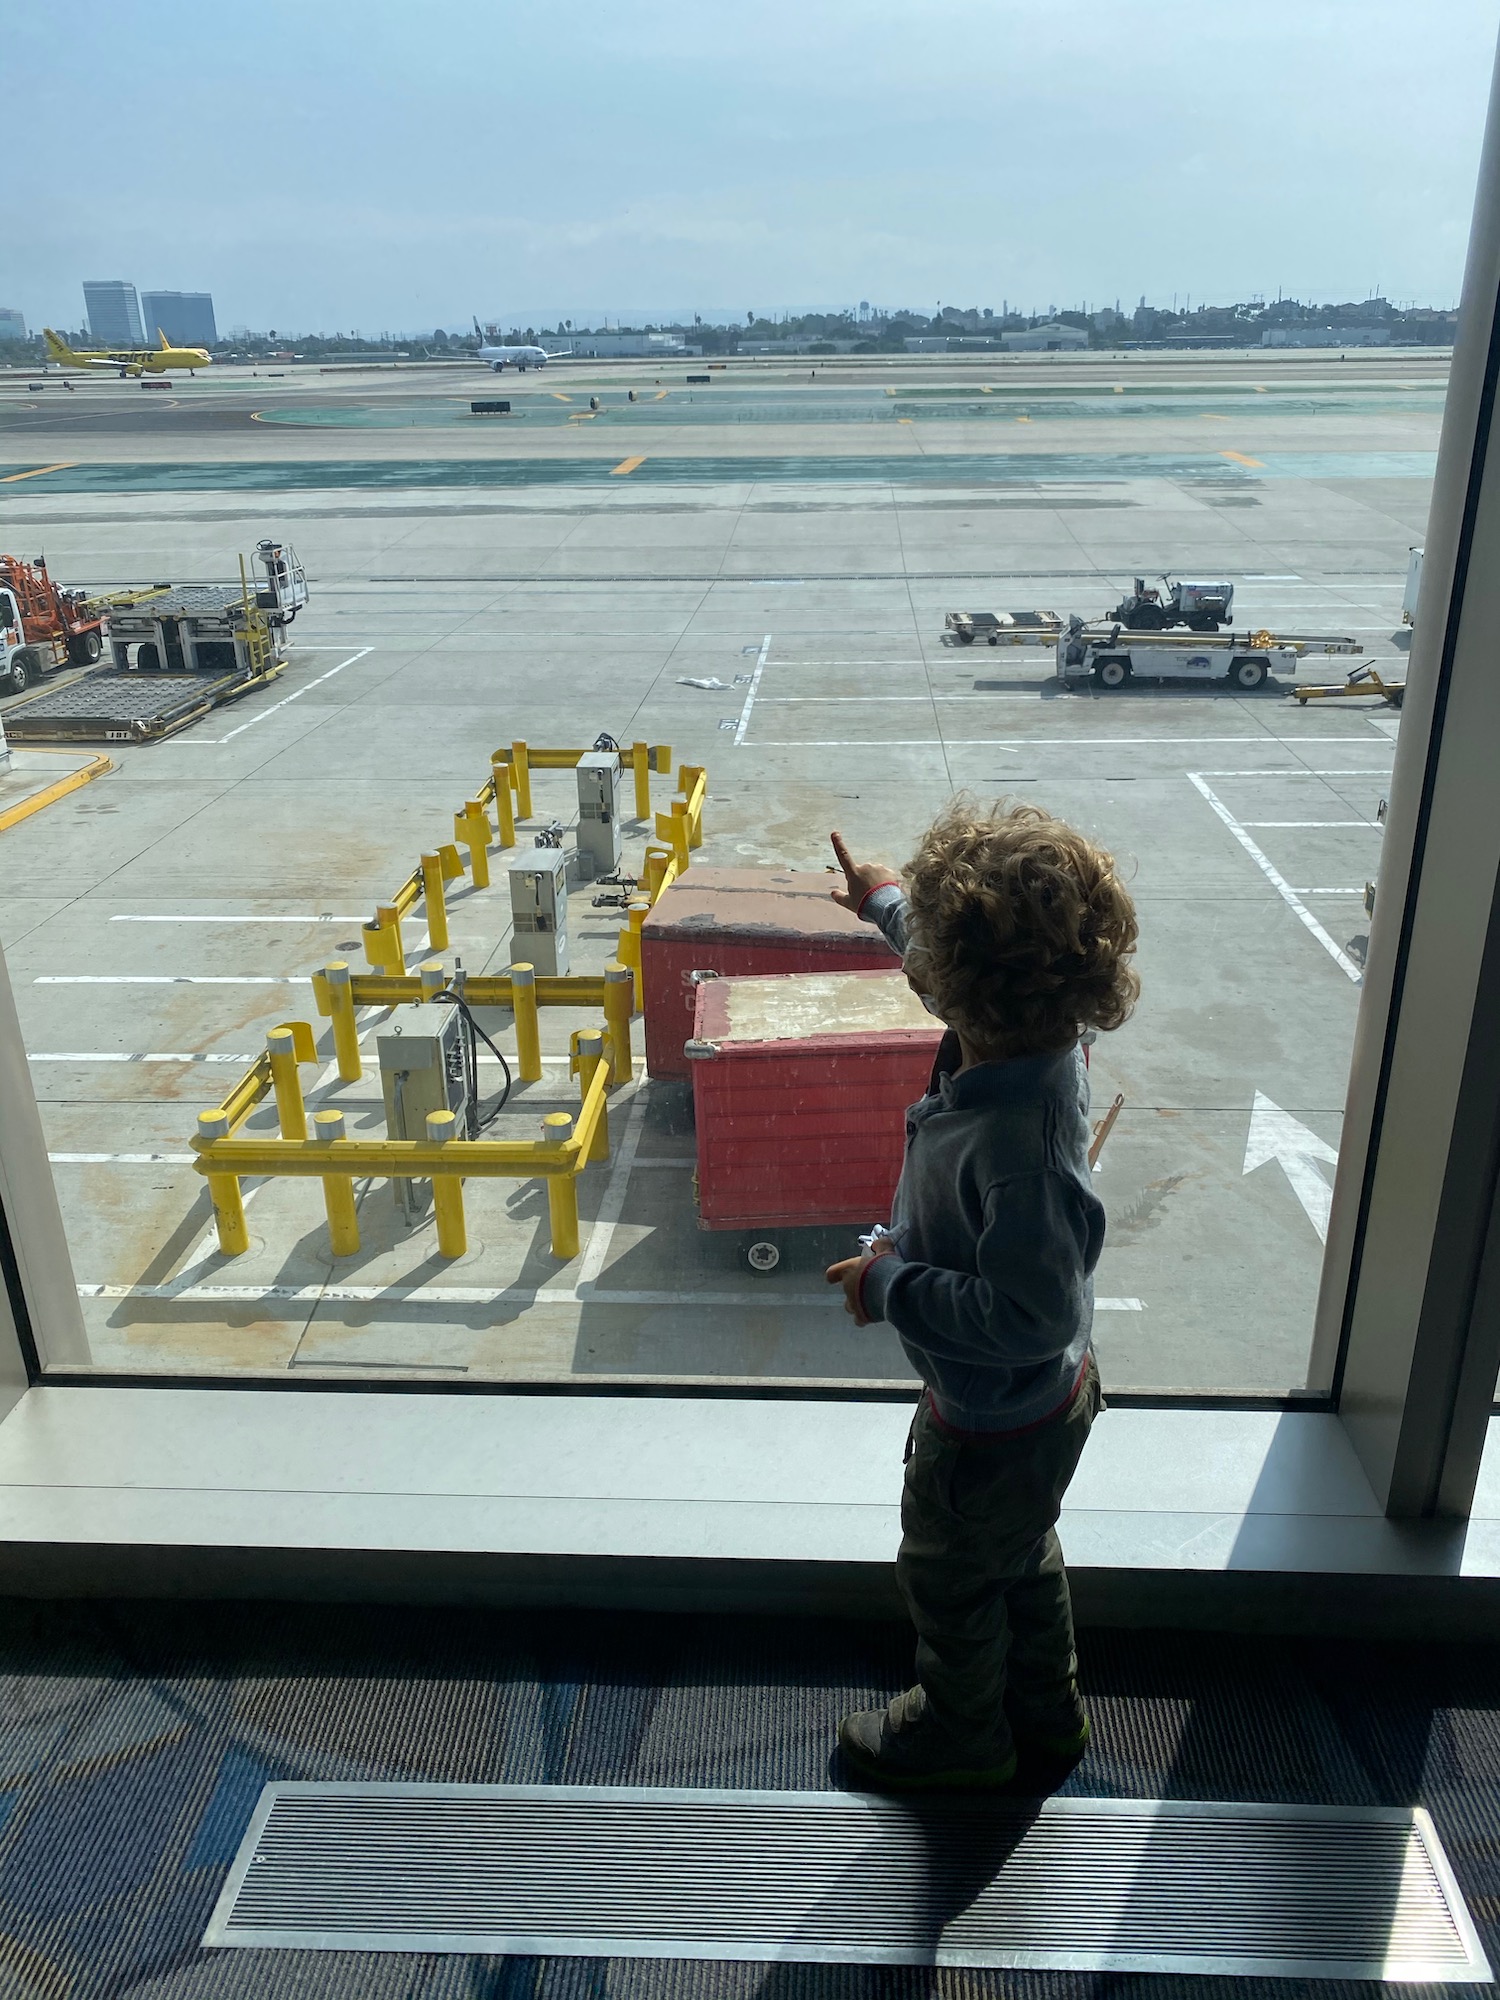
{"x": 455, "y": 667}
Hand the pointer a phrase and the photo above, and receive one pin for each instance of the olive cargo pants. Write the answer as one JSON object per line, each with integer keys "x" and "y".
{"x": 982, "y": 1572}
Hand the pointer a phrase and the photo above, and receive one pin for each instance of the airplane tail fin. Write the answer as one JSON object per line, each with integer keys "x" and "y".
{"x": 57, "y": 347}
{"x": 165, "y": 343}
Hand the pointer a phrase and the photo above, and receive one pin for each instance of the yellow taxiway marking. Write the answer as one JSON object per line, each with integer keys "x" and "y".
{"x": 1212, "y": 417}
{"x": 560, "y": 396}
{"x": 1023, "y": 420}
{"x": 660, "y": 396}
{"x": 37, "y": 471}
{"x": 905, "y": 420}
{"x": 626, "y": 465}
{"x": 1256, "y": 464}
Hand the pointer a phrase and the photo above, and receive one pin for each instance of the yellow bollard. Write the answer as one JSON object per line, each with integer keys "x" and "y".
{"x": 562, "y": 1190}
{"x": 520, "y": 765}
{"x": 619, "y": 998}
{"x": 224, "y": 1192}
{"x": 473, "y": 829}
{"x": 588, "y": 1053}
{"x": 389, "y": 919}
{"x": 447, "y": 1190}
{"x": 528, "y": 1032}
{"x": 680, "y": 832}
{"x": 636, "y": 913}
{"x": 435, "y": 901}
{"x": 432, "y": 976}
{"x": 640, "y": 767}
{"x": 505, "y": 810}
{"x": 338, "y": 1189}
{"x": 655, "y": 867}
{"x": 345, "y": 1032}
{"x": 287, "y": 1084}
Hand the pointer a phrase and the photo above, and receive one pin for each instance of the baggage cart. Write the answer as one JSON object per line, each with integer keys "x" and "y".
{"x": 801, "y": 1085}
{"x": 1004, "y": 628}
{"x": 741, "y": 921}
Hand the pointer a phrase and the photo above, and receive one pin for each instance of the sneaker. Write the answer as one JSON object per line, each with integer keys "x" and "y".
{"x": 1057, "y": 1725}
{"x": 903, "y": 1748}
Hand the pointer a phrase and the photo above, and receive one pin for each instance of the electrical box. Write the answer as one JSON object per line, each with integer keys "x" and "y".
{"x": 421, "y": 1070}
{"x": 598, "y": 814}
{"x": 539, "y": 909}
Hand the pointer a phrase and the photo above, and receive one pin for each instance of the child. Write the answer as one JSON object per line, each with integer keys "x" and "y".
{"x": 1017, "y": 932}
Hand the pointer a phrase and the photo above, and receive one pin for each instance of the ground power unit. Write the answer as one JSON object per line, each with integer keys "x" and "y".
{"x": 422, "y": 1069}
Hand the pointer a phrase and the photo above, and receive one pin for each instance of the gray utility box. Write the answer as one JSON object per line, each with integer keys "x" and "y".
{"x": 421, "y": 1070}
{"x": 598, "y": 814}
{"x": 539, "y": 909}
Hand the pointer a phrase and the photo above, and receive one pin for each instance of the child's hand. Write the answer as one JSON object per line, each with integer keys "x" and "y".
{"x": 848, "y": 1274}
{"x": 860, "y": 877}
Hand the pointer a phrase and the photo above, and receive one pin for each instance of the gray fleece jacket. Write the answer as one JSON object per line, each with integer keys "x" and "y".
{"x": 997, "y": 1231}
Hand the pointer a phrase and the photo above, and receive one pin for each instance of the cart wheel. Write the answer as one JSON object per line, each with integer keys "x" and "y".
{"x": 1111, "y": 673}
{"x": 994, "y": 638}
{"x": 1247, "y": 673}
{"x": 964, "y": 638}
{"x": 762, "y": 1256}
{"x": 1395, "y": 695}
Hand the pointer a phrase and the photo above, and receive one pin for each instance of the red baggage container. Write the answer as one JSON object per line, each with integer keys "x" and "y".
{"x": 800, "y": 1085}
{"x": 741, "y": 920}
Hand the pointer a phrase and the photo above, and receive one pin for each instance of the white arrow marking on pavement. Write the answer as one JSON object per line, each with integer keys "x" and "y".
{"x": 1276, "y": 1135}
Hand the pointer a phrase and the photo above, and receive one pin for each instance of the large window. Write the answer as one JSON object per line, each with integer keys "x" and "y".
{"x": 734, "y": 555}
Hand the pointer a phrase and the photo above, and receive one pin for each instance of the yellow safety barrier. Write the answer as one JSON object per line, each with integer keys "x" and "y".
{"x": 523, "y": 1000}
{"x": 559, "y": 1156}
{"x": 338, "y": 1189}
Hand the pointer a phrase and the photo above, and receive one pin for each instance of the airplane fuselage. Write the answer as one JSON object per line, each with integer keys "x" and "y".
{"x": 519, "y": 358}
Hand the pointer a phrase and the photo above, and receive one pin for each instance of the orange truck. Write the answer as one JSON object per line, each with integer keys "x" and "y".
{"x": 42, "y": 627}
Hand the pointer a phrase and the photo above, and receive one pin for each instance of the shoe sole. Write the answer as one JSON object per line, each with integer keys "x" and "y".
{"x": 929, "y": 1781}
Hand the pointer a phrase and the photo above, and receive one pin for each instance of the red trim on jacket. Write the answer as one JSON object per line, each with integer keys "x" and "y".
{"x": 999, "y": 1437}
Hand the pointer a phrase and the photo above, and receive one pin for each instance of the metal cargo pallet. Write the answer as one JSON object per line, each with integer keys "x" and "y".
{"x": 131, "y": 707}
{"x": 1004, "y": 628}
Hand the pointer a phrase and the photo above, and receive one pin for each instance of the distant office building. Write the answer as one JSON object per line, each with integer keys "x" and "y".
{"x": 12, "y": 324}
{"x": 1052, "y": 337}
{"x": 186, "y": 318}
{"x": 613, "y": 346}
{"x": 114, "y": 313}
{"x": 1326, "y": 336}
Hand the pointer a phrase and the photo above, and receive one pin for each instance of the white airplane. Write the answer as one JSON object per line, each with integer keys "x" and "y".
{"x": 519, "y": 358}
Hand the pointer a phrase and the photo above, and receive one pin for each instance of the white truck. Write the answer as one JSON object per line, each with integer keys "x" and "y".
{"x": 1112, "y": 656}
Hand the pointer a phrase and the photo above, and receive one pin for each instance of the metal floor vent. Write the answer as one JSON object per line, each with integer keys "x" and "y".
{"x": 1300, "y": 1892}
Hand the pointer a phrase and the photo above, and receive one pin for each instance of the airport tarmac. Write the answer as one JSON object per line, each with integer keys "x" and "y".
{"x": 157, "y": 923}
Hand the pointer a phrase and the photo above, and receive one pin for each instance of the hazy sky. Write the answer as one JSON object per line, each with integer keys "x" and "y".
{"x": 321, "y": 164}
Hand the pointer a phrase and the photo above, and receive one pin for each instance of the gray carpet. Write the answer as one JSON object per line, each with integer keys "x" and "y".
{"x": 135, "y": 1739}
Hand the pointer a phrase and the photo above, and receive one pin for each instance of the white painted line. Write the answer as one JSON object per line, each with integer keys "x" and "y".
{"x": 131, "y": 919}
{"x": 101, "y": 1056}
{"x": 122, "y": 1159}
{"x": 1277, "y": 881}
{"x": 1374, "y": 823}
{"x": 161, "y": 979}
{"x": 1295, "y": 771}
{"x": 1064, "y": 742}
{"x": 286, "y": 700}
{"x": 477, "y": 1295}
{"x": 612, "y": 1204}
{"x": 752, "y": 691}
{"x": 1328, "y": 892}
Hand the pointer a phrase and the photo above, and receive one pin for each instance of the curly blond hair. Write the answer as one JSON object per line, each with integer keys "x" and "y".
{"x": 1021, "y": 929}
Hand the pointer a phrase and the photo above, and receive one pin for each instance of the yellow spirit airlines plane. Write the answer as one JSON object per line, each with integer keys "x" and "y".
{"x": 128, "y": 360}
